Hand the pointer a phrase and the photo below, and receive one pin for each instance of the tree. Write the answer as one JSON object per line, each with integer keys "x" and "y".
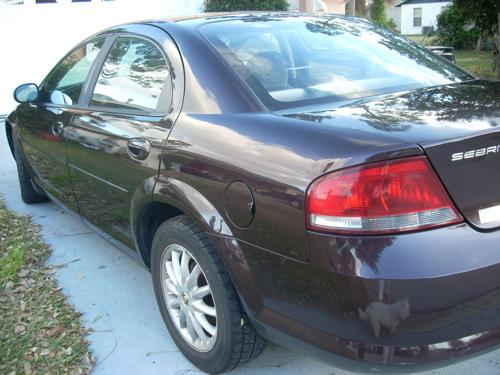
{"x": 451, "y": 30}
{"x": 378, "y": 14}
{"x": 486, "y": 15}
{"x": 236, "y": 5}
{"x": 361, "y": 8}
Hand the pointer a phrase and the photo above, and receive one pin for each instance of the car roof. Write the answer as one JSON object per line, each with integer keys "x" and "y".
{"x": 195, "y": 20}
{"x": 189, "y": 23}
{"x": 202, "y": 18}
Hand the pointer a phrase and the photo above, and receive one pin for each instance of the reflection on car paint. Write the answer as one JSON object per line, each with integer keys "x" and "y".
{"x": 385, "y": 315}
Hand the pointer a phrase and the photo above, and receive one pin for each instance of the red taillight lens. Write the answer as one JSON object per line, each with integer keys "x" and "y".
{"x": 391, "y": 196}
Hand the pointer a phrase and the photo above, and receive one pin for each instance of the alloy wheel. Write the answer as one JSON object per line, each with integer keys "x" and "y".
{"x": 189, "y": 298}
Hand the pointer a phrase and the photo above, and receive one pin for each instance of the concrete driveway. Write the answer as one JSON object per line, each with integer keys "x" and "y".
{"x": 116, "y": 298}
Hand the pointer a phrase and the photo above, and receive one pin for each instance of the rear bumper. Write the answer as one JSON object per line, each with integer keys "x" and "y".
{"x": 368, "y": 358}
{"x": 449, "y": 276}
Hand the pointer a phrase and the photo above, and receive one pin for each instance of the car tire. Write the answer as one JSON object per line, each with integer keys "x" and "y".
{"x": 29, "y": 192}
{"x": 235, "y": 341}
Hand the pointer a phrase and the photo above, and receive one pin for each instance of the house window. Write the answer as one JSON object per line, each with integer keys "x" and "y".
{"x": 417, "y": 16}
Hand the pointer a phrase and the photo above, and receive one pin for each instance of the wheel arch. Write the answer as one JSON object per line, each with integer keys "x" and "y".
{"x": 170, "y": 198}
{"x": 10, "y": 137}
{"x": 167, "y": 199}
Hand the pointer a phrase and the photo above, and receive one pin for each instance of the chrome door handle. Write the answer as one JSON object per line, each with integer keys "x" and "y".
{"x": 138, "y": 148}
{"x": 58, "y": 129}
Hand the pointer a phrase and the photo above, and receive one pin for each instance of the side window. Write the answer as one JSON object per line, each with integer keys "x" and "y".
{"x": 70, "y": 74}
{"x": 133, "y": 77}
{"x": 417, "y": 17}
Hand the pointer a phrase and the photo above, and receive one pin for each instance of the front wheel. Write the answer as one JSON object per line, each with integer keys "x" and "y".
{"x": 197, "y": 300}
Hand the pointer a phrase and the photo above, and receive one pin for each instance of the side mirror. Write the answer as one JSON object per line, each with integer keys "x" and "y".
{"x": 26, "y": 93}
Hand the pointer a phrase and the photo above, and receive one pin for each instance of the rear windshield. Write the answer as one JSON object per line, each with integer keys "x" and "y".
{"x": 295, "y": 61}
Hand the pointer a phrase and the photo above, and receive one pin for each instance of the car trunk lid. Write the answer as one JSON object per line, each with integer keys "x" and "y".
{"x": 470, "y": 170}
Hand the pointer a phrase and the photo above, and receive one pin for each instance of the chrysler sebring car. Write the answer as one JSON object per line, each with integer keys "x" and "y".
{"x": 313, "y": 181}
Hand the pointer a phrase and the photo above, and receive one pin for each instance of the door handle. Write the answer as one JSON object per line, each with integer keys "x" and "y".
{"x": 138, "y": 148}
{"x": 58, "y": 129}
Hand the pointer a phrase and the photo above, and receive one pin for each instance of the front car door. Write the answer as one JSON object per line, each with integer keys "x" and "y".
{"x": 115, "y": 146}
{"x": 44, "y": 124}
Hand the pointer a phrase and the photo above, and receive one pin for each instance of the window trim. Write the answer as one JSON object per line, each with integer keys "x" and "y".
{"x": 420, "y": 18}
{"x": 96, "y": 70}
{"x": 99, "y": 61}
{"x": 82, "y": 44}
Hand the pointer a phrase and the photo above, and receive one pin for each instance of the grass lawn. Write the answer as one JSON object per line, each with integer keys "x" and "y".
{"x": 40, "y": 333}
{"x": 479, "y": 63}
{"x": 421, "y": 39}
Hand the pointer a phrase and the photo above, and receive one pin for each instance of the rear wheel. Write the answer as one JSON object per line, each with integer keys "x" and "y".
{"x": 197, "y": 300}
{"x": 29, "y": 193}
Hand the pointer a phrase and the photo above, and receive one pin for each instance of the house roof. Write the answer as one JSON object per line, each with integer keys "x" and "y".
{"x": 408, "y": 2}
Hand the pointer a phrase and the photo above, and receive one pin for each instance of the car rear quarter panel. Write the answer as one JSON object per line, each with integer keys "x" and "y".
{"x": 276, "y": 157}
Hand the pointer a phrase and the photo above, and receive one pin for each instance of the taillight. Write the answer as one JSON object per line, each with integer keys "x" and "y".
{"x": 391, "y": 196}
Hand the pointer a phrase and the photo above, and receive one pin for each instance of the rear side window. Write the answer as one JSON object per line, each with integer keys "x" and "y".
{"x": 70, "y": 74}
{"x": 135, "y": 76}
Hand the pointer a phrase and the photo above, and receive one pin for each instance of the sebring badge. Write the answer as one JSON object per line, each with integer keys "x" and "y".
{"x": 475, "y": 153}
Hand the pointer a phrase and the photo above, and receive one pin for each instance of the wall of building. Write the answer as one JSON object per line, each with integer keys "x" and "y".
{"x": 334, "y": 6}
{"x": 34, "y": 37}
{"x": 394, "y": 13}
{"x": 430, "y": 11}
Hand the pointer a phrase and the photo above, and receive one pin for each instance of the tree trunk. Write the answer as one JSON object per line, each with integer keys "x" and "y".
{"x": 352, "y": 8}
{"x": 306, "y": 6}
{"x": 496, "y": 37}
{"x": 479, "y": 43}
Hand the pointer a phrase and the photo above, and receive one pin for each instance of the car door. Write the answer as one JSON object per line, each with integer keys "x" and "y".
{"x": 115, "y": 145}
{"x": 44, "y": 123}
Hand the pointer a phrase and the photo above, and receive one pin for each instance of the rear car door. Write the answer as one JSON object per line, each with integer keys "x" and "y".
{"x": 115, "y": 145}
{"x": 44, "y": 124}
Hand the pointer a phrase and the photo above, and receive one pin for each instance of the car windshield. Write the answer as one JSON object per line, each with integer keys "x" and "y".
{"x": 296, "y": 60}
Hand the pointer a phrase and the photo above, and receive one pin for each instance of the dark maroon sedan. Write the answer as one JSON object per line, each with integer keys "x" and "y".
{"x": 316, "y": 181}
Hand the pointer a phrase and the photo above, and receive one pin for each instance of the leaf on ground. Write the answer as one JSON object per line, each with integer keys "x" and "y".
{"x": 97, "y": 318}
{"x": 23, "y": 273}
{"x": 20, "y": 329}
{"x": 56, "y": 330}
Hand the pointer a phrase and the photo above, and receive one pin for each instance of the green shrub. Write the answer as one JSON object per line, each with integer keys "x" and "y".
{"x": 391, "y": 25}
{"x": 235, "y": 5}
{"x": 378, "y": 15}
{"x": 451, "y": 32}
{"x": 378, "y": 12}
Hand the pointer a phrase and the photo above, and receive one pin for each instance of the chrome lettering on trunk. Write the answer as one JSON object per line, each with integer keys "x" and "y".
{"x": 475, "y": 153}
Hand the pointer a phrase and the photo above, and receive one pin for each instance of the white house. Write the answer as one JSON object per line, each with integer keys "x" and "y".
{"x": 330, "y": 6}
{"x": 417, "y": 15}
